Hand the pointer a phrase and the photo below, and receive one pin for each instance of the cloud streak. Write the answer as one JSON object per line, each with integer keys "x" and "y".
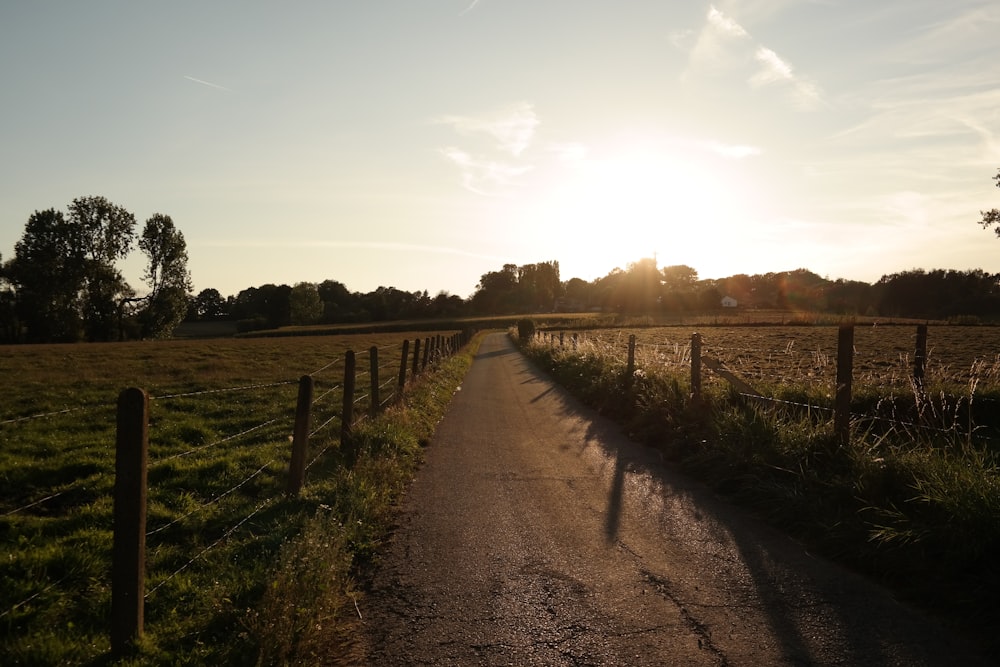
{"x": 208, "y": 83}
{"x": 469, "y": 8}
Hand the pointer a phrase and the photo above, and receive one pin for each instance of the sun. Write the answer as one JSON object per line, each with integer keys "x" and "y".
{"x": 609, "y": 208}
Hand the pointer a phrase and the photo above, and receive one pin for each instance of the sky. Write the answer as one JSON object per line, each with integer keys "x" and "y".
{"x": 420, "y": 144}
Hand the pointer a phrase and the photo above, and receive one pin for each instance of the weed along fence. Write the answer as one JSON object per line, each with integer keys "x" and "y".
{"x": 223, "y": 459}
{"x": 890, "y": 375}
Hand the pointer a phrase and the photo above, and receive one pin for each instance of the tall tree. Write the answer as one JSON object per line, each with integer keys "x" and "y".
{"x": 104, "y": 233}
{"x": 166, "y": 275}
{"x": 48, "y": 272}
{"x": 496, "y": 292}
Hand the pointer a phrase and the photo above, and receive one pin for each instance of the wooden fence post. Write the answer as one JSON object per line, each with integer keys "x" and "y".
{"x": 416, "y": 357}
{"x": 347, "y": 414}
{"x": 403, "y": 366}
{"x": 300, "y": 435}
{"x": 630, "y": 364}
{"x": 373, "y": 373}
{"x": 427, "y": 349}
{"x": 696, "y": 367}
{"x": 845, "y": 371}
{"x": 920, "y": 356}
{"x": 128, "y": 555}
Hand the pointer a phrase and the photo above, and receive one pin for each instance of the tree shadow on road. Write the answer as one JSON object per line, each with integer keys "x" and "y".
{"x": 808, "y": 603}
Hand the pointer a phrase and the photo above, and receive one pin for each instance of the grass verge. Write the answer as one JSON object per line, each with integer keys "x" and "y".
{"x": 916, "y": 508}
{"x": 308, "y": 612}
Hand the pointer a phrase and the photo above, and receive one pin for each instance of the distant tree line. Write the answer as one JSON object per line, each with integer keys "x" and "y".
{"x": 641, "y": 288}
{"x": 64, "y": 285}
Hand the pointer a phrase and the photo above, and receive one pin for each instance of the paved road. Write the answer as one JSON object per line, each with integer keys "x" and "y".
{"x": 536, "y": 534}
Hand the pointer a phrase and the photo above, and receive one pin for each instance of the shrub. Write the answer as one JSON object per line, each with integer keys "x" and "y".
{"x": 525, "y": 329}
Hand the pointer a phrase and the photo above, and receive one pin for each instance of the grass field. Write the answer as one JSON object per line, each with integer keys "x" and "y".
{"x": 221, "y": 418}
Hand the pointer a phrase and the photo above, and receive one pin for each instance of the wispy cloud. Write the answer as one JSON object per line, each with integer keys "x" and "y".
{"x": 775, "y": 70}
{"x": 724, "y": 24}
{"x": 490, "y": 169}
{"x": 725, "y": 45}
{"x": 208, "y": 83}
{"x": 484, "y": 176}
{"x": 512, "y": 128}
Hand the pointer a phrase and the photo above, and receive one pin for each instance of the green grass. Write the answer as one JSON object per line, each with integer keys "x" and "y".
{"x": 913, "y": 499}
{"x": 226, "y": 548}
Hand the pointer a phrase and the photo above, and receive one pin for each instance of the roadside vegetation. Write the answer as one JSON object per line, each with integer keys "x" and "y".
{"x": 238, "y": 572}
{"x": 914, "y": 498}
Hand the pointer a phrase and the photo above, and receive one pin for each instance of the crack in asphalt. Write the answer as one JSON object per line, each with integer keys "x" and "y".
{"x": 663, "y": 587}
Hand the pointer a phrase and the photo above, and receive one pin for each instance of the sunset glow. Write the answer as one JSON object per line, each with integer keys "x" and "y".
{"x": 422, "y": 146}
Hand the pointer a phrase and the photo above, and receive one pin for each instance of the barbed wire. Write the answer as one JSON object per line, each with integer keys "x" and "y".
{"x": 326, "y": 423}
{"x": 203, "y": 392}
{"x": 212, "y": 501}
{"x": 72, "y": 486}
{"x": 53, "y": 413}
{"x": 33, "y": 596}
{"x": 204, "y": 551}
{"x": 326, "y": 393}
{"x": 215, "y": 443}
{"x": 327, "y": 366}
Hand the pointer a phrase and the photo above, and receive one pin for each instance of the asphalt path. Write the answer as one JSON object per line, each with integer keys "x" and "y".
{"x": 535, "y": 533}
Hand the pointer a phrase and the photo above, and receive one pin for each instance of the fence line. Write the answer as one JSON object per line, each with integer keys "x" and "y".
{"x": 842, "y": 360}
{"x": 128, "y": 583}
{"x": 128, "y": 559}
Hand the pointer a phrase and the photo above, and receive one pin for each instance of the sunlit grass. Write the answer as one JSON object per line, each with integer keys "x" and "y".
{"x": 218, "y": 518}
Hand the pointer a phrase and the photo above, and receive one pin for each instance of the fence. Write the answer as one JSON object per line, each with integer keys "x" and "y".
{"x": 364, "y": 393}
{"x": 694, "y": 356}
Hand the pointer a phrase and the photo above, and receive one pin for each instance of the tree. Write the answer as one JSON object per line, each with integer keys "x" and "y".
{"x": 679, "y": 283}
{"x": 102, "y": 234}
{"x": 642, "y": 287}
{"x": 48, "y": 274}
{"x": 10, "y": 327}
{"x": 579, "y": 295}
{"x": 496, "y": 292}
{"x": 304, "y": 304}
{"x": 992, "y": 217}
{"x": 209, "y": 304}
{"x": 538, "y": 286}
{"x": 339, "y": 305}
{"x": 166, "y": 275}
